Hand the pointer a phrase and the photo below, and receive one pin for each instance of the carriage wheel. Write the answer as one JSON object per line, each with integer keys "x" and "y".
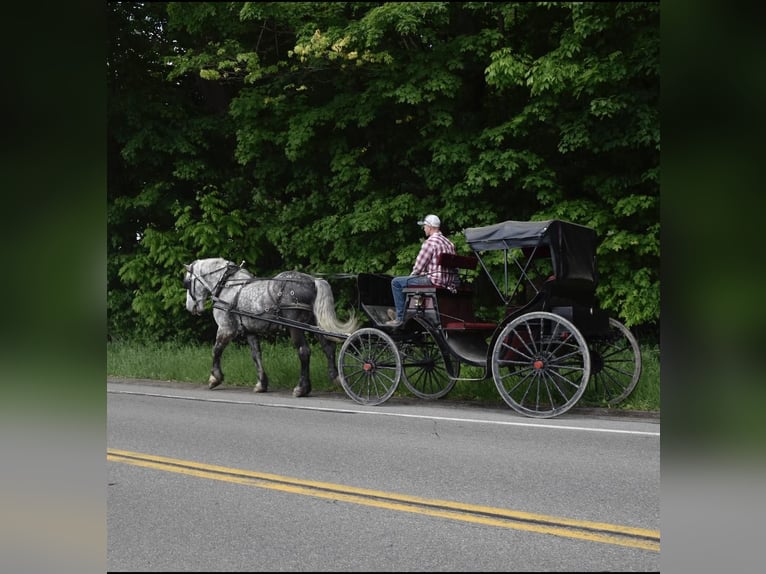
{"x": 428, "y": 370}
{"x": 615, "y": 363}
{"x": 540, "y": 364}
{"x": 369, "y": 366}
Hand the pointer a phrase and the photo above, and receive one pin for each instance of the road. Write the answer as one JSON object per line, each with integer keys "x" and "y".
{"x": 230, "y": 480}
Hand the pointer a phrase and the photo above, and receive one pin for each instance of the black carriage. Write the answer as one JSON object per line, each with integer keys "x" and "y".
{"x": 542, "y": 337}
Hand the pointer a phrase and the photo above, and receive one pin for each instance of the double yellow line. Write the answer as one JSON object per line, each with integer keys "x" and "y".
{"x": 580, "y": 529}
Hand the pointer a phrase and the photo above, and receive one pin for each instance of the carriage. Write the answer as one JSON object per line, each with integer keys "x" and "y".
{"x": 542, "y": 337}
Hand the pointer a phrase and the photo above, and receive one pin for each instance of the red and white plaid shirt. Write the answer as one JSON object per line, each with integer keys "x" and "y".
{"x": 425, "y": 263}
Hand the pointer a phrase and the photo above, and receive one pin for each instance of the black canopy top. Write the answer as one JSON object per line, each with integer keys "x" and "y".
{"x": 572, "y": 246}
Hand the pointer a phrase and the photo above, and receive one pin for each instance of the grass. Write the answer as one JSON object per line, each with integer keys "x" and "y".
{"x": 191, "y": 363}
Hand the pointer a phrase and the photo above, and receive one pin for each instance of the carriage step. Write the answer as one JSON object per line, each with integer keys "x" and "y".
{"x": 468, "y": 326}
{"x": 469, "y": 346}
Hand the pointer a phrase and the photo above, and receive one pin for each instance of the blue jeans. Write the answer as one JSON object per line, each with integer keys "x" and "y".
{"x": 399, "y": 283}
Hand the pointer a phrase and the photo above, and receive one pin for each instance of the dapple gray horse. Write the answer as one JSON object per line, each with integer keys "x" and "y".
{"x": 239, "y": 299}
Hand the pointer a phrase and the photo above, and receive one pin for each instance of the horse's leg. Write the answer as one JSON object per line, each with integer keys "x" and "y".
{"x": 304, "y": 354}
{"x": 222, "y": 338}
{"x": 328, "y": 347}
{"x": 255, "y": 350}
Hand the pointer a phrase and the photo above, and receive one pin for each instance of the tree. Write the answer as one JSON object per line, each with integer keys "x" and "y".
{"x": 313, "y": 136}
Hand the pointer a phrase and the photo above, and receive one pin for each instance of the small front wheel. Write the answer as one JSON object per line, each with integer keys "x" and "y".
{"x": 540, "y": 364}
{"x": 369, "y": 366}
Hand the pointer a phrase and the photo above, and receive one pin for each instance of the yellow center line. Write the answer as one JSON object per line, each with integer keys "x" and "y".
{"x": 504, "y": 518}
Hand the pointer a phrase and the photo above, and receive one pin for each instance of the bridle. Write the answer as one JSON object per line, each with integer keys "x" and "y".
{"x": 229, "y": 269}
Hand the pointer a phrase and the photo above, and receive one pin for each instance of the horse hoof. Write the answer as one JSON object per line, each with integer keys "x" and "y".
{"x": 213, "y": 383}
{"x": 301, "y": 392}
{"x": 259, "y": 388}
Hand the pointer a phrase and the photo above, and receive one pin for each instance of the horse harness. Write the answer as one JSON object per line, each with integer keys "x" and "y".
{"x": 229, "y": 270}
{"x": 293, "y": 303}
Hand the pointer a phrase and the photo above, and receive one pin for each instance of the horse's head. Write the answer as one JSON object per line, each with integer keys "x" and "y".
{"x": 196, "y": 291}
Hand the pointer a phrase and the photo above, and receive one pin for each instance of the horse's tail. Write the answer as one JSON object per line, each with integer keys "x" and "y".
{"x": 324, "y": 311}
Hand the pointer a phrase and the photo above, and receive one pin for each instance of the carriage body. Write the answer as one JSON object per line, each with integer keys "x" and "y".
{"x": 529, "y": 318}
{"x": 557, "y": 270}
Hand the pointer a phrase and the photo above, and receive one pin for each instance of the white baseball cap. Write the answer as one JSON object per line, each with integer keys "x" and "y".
{"x": 431, "y": 220}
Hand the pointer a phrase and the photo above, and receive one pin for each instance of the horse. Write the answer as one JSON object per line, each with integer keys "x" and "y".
{"x": 245, "y": 304}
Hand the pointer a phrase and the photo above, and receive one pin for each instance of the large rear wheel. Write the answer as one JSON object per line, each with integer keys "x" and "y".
{"x": 615, "y": 364}
{"x": 540, "y": 364}
{"x": 369, "y": 366}
{"x": 428, "y": 369}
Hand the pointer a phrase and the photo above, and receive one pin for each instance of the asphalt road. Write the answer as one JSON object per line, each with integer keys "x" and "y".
{"x": 202, "y": 480}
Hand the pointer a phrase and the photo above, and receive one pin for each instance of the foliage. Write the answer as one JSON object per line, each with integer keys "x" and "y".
{"x": 313, "y": 135}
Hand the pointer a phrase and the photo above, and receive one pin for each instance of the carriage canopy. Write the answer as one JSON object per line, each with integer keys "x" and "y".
{"x": 572, "y": 247}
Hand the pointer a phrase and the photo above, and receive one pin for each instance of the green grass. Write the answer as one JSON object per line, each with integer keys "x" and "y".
{"x": 192, "y": 363}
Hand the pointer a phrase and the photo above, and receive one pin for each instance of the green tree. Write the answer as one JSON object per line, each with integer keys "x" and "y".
{"x": 313, "y": 135}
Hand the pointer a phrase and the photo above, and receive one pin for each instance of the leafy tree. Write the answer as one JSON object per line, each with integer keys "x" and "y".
{"x": 313, "y": 135}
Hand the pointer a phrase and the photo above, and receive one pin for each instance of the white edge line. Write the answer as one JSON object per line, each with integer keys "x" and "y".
{"x": 381, "y": 413}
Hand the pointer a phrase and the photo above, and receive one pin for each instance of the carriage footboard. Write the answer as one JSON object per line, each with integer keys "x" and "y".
{"x": 378, "y": 313}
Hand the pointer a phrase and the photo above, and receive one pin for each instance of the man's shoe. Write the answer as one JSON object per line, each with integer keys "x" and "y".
{"x": 393, "y": 323}
{"x": 391, "y": 314}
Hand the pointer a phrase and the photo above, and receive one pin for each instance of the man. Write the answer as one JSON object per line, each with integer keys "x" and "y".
{"x": 426, "y": 270}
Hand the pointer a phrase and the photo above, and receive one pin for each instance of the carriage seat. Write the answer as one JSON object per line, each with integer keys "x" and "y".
{"x": 455, "y": 308}
{"x": 459, "y": 265}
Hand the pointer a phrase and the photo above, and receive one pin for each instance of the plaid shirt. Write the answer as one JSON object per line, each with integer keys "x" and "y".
{"x": 425, "y": 264}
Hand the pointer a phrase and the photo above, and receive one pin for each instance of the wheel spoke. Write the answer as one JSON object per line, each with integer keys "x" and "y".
{"x": 369, "y": 366}
{"x": 617, "y": 365}
{"x": 540, "y": 364}
{"x": 428, "y": 371}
